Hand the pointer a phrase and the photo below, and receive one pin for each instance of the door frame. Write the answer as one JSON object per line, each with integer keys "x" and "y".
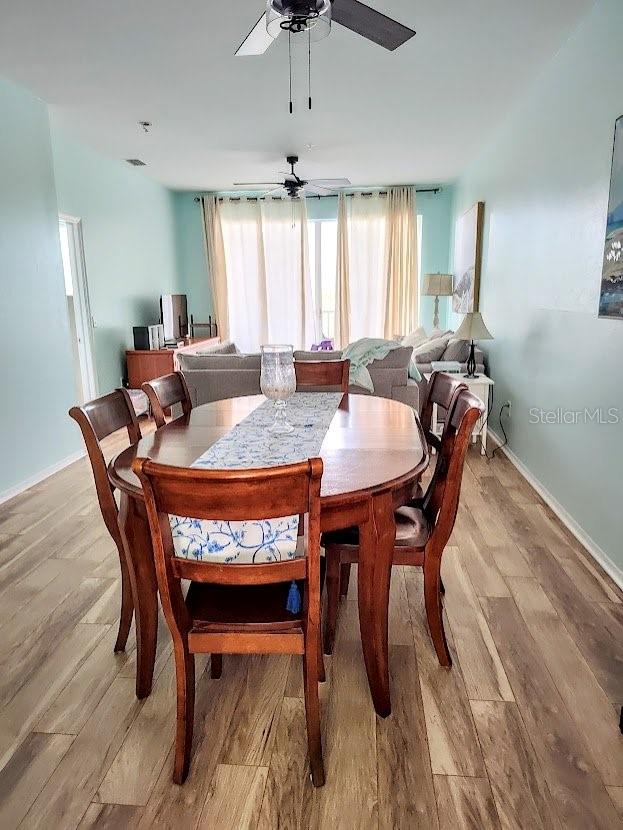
{"x": 82, "y": 305}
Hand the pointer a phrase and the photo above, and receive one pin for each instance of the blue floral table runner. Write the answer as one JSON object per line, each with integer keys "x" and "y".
{"x": 250, "y": 445}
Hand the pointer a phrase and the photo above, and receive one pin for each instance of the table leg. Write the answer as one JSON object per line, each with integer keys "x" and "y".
{"x": 376, "y": 549}
{"x": 144, "y": 590}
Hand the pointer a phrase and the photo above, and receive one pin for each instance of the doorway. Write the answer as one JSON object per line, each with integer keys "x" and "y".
{"x": 78, "y": 307}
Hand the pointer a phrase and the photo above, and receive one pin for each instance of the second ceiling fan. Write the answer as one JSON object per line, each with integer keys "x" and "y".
{"x": 295, "y": 188}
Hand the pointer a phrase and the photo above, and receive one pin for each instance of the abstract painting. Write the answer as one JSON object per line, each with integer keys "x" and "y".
{"x": 468, "y": 259}
{"x": 611, "y": 296}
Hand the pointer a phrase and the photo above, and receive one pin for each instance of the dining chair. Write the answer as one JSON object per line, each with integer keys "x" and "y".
{"x": 165, "y": 392}
{"x": 442, "y": 390}
{"x": 237, "y": 607}
{"x": 97, "y": 420}
{"x": 422, "y": 527}
{"x": 315, "y": 375}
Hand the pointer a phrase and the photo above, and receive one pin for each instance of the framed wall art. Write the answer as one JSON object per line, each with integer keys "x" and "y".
{"x": 468, "y": 259}
{"x": 611, "y": 294}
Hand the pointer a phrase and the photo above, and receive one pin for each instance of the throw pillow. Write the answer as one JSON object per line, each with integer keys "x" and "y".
{"x": 415, "y": 338}
{"x": 437, "y": 333}
{"x": 457, "y": 350}
{"x": 431, "y": 350}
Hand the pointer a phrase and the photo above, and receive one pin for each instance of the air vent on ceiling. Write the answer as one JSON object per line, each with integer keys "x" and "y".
{"x": 136, "y": 162}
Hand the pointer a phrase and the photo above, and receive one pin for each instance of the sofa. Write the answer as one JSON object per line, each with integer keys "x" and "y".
{"x": 221, "y": 372}
{"x": 214, "y": 377}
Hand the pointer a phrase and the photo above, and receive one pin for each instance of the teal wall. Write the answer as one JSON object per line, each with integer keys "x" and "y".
{"x": 436, "y": 210}
{"x": 544, "y": 178}
{"x": 36, "y": 373}
{"x": 128, "y": 225}
{"x": 190, "y": 251}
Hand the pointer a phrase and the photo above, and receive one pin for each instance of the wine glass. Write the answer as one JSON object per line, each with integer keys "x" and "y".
{"x": 278, "y": 383}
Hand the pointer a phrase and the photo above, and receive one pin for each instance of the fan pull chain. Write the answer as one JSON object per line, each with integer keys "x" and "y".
{"x": 309, "y": 67}
{"x": 290, "y": 65}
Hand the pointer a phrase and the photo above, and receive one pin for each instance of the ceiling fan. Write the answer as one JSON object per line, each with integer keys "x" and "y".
{"x": 314, "y": 18}
{"x": 295, "y": 187}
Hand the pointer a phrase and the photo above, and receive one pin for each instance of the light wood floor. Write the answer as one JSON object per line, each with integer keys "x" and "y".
{"x": 522, "y": 732}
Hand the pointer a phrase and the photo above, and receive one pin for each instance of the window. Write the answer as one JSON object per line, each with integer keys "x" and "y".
{"x": 322, "y": 238}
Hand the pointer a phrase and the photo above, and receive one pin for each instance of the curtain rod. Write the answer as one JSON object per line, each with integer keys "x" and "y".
{"x": 434, "y": 190}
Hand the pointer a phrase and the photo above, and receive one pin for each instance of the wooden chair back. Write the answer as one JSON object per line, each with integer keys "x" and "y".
{"x": 318, "y": 374}
{"x": 230, "y": 495}
{"x": 442, "y": 391}
{"x": 97, "y": 420}
{"x": 236, "y": 495}
{"x": 442, "y": 497}
{"x": 166, "y": 391}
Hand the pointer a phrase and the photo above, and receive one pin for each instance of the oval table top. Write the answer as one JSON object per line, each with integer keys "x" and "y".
{"x": 371, "y": 444}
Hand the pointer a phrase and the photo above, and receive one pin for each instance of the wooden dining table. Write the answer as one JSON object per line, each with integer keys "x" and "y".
{"x": 373, "y": 453}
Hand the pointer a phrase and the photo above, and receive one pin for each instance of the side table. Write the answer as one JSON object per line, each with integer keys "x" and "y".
{"x": 479, "y": 386}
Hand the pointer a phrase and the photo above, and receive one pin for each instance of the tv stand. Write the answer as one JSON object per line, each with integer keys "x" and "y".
{"x": 147, "y": 364}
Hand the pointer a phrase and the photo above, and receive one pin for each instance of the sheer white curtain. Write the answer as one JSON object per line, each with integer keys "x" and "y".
{"x": 362, "y": 272}
{"x": 289, "y": 306}
{"x": 377, "y": 279}
{"x": 266, "y": 272}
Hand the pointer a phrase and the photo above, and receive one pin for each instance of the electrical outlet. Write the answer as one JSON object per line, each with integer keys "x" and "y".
{"x": 508, "y": 404}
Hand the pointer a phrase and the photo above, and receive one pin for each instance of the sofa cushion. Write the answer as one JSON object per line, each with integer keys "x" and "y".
{"x": 233, "y": 362}
{"x": 220, "y": 384}
{"x": 219, "y": 348}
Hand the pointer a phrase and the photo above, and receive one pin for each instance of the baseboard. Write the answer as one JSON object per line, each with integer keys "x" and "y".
{"x": 600, "y": 556}
{"x": 7, "y": 495}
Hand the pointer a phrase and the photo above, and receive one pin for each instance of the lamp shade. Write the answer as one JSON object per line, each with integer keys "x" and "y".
{"x": 473, "y": 328}
{"x": 437, "y": 285}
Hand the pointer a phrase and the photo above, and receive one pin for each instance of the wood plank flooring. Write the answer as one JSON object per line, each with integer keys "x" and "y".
{"x": 521, "y": 733}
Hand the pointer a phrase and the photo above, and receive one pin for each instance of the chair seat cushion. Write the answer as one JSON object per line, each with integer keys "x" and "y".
{"x": 243, "y": 606}
{"x": 412, "y": 530}
{"x": 240, "y": 543}
{"x": 418, "y": 492}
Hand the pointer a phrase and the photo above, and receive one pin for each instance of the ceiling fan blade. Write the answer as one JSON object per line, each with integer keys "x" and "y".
{"x": 257, "y": 41}
{"x": 314, "y": 190}
{"x": 370, "y": 24}
{"x": 331, "y": 182}
{"x": 256, "y": 184}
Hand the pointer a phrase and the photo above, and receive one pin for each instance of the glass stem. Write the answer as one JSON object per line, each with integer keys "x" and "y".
{"x": 280, "y": 412}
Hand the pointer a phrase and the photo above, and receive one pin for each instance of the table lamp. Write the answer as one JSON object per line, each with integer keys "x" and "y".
{"x": 472, "y": 328}
{"x": 437, "y": 285}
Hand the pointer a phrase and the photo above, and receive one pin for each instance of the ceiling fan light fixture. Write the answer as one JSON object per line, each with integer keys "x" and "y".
{"x": 311, "y": 18}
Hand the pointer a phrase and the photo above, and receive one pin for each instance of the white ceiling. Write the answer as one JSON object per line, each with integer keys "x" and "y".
{"x": 419, "y": 114}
